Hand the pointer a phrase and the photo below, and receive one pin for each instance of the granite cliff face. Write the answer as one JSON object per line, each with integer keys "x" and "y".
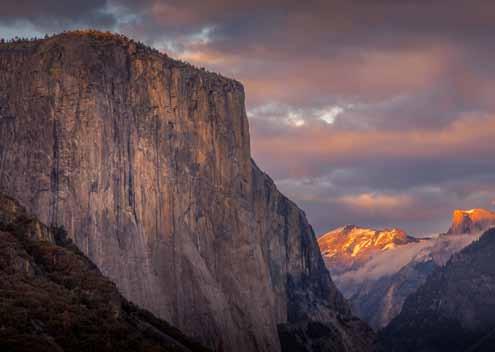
{"x": 455, "y": 308}
{"x": 53, "y": 298}
{"x": 471, "y": 221}
{"x": 146, "y": 163}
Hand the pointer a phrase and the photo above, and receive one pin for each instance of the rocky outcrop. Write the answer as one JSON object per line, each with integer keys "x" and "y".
{"x": 146, "y": 162}
{"x": 471, "y": 221}
{"x": 454, "y": 309}
{"x": 53, "y": 298}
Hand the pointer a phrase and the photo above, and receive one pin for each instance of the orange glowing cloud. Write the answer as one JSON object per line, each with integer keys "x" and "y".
{"x": 269, "y": 74}
{"x": 371, "y": 201}
{"x": 369, "y": 74}
{"x": 471, "y": 136}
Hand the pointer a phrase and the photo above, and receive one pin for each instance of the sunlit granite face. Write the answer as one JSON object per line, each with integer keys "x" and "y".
{"x": 471, "y": 221}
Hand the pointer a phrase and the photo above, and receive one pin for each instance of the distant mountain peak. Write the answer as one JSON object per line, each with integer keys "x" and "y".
{"x": 351, "y": 227}
{"x": 471, "y": 221}
{"x": 354, "y": 234}
{"x": 377, "y": 269}
{"x": 352, "y": 245}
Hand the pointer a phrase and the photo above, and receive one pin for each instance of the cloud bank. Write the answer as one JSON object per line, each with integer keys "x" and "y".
{"x": 377, "y": 113}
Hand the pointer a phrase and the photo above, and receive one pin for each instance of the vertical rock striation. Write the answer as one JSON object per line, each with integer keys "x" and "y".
{"x": 146, "y": 163}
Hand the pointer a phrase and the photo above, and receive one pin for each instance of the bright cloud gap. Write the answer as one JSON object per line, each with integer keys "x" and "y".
{"x": 296, "y": 116}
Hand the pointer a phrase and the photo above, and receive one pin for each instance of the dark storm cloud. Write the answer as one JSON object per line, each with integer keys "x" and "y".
{"x": 378, "y": 113}
{"x": 56, "y": 15}
{"x": 284, "y": 27}
{"x": 341, "y": 22}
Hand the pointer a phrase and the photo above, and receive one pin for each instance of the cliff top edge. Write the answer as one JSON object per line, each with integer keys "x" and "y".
{"x": 108, "y": 38}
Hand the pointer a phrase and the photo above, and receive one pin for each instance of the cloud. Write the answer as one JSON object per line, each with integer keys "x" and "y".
{"x": 378, "y": 113}
{"x": 374, "y": 201}
{"x": 320, "y": 148}
{"x": 390, "y": 262}
{"x": 422, "y": 207}
{"x": 54, "y": 15}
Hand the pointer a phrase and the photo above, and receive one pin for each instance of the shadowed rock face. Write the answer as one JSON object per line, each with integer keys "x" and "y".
{"x": 146, "y": 162}
{"x": 455, "y": 308}
{"x": 53, "y": 298}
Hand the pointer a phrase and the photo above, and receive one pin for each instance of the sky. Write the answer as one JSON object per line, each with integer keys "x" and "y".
{"x": 377, "y": 113}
